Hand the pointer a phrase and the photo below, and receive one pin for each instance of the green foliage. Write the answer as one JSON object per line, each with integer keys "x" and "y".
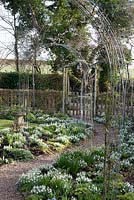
{"x": 74, "y": 162}
{"x": 83, "y": 192}
{"x": 14, "y": 139}
{"x": 52, "y": 135}
{"x": 31, "y": 117}
{"x": 116, "y": 11}
{"x": 53, "y": 27}
{"x": 56, "y": 31}
{"x": 64, "y": 31}
{"x": 75, "y": 81}
{"x": 5, "y": 123}
{"x": 42, "y": 81}
{"x": 61, "y": 115}
{"x": 27, "y": 10}
{"x": 8, "y": 113}
{"x": 77, "y": 161}
{"x": 74, "y": 176}
{"x": 104, "y": 78}
{"x": 18, "y": 154}
{"x": 38, "y": 146}
{"x": 9, "y": 80}
{"x": 127, "y": 196}
{"x": 34, "y": 197}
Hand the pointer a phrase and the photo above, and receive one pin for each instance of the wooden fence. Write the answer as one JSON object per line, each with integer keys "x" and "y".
{"x": 80, "y": 106}
{"x": 76, "y": 105}
{"x": 119, "y": 106}
{"x": 48, "y": 101}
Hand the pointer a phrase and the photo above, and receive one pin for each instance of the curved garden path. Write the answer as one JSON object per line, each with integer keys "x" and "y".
{"x": 10, "y": 173}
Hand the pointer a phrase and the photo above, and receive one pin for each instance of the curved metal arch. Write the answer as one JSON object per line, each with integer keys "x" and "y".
{"x": 105, "y": 31}
{"x": 113, "y": 49}
{"x": 109, "y": 40}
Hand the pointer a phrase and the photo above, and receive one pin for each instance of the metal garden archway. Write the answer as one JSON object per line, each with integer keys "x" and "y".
{"x": 116, "y": 60}
{"x": 109, "y": 41}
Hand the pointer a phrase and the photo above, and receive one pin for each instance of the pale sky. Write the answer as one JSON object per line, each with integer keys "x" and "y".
{"x": 6, "y": 34}
{"x": 7, "y": 38}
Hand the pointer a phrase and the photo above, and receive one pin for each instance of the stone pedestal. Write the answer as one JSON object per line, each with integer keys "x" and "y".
{"x": 19, "y": 121}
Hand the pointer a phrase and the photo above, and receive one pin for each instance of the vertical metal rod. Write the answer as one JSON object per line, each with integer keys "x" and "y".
{"x": 81, "y": 99}
{"x": 91, "y": 103}
{"x": 95, "y": 92}
{"x": 33, "y": 86}
{"x": 132, "y": 93}
{"x": 63, "y": 93}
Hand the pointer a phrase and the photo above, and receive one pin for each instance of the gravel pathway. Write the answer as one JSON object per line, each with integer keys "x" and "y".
{"x": 9, "y": 174}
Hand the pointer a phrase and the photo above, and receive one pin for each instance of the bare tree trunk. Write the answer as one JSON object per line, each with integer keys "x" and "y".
{"x": 16, "y": 45}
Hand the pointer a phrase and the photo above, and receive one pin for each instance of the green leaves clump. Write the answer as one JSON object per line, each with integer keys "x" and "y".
{"x": 18, "y": 154}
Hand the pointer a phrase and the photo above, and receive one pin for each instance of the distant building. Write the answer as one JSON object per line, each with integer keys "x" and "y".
{"x": 8, "y": 65}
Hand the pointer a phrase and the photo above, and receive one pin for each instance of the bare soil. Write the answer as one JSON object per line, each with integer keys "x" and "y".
{"x": 10, "y": 173}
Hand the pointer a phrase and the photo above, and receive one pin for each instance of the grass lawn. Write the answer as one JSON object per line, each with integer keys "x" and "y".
{"x": 4, "y": 123}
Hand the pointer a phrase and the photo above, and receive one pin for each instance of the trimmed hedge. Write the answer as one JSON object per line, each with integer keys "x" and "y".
{"x": 42, "y": 81}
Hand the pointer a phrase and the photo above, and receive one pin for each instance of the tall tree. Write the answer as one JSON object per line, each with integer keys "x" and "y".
{"x": 16, "y": 37}
{"x": 51, "y": 21}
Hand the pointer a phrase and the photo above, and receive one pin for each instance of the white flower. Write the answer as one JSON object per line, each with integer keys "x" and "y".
{"x": 32, "y": 176}
{"x": 128, "y": 187}
{"x": 93, "y": 188}
{"x": 41, "y": 189}
{"x": 82, "y": 178}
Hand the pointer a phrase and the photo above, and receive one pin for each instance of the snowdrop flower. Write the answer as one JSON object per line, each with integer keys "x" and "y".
{"x": 41, "y": 189}
{"x": 81, "y": 177}
{"x": 94, "y": 189}
{"x": 128, "y": 187}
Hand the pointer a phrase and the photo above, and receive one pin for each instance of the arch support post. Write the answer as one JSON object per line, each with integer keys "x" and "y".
{"x": 65, "y": 89}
